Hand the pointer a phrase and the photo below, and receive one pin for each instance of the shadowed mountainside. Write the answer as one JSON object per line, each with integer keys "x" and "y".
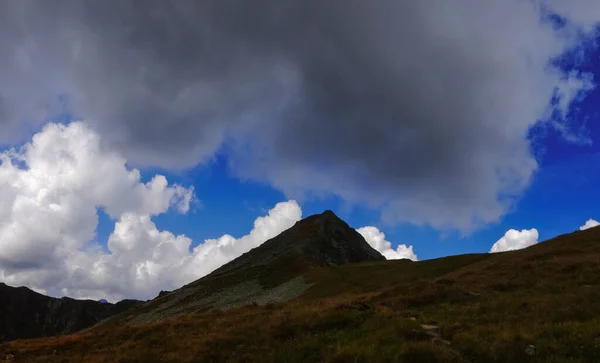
{"x": 26, "y": 314}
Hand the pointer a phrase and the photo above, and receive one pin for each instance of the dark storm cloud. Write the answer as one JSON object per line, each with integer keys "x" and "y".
{"x": 417, "y": 108}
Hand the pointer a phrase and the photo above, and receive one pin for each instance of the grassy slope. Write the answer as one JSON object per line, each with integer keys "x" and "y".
{"x": 489, "y": 308}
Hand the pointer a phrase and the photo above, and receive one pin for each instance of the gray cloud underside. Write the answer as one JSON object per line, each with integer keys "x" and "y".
{"x": 420, "y": 109}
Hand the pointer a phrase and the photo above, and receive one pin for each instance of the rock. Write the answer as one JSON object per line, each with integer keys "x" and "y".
{"x": 9, "y": 357}
{"x": 163, "y": 293}
{"x": 530, "y": 350}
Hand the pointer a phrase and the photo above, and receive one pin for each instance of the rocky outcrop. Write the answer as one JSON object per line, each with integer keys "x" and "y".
{"x": 163, "y": 293}
{"x": 26, "y": 314}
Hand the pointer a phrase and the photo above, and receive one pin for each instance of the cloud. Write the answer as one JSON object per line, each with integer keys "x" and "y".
{"x": 143, "y": 260}
{"x": 584, "y": 13}
{"x": 214, "y": 253}
{"x": 420, "y": 110}
{"x": 515, "y": 240}
{"x": 376, "y": 239}
{"x": 589, "y": 224}
{"x": 50, "y": 190}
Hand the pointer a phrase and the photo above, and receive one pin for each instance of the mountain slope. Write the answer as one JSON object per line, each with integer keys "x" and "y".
{"x": 26, "y": 314}
{"x": 269, "y": 273}
{"x": 539, "y": 304}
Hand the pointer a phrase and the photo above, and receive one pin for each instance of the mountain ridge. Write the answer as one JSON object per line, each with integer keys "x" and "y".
{"x": 25, "y": 313}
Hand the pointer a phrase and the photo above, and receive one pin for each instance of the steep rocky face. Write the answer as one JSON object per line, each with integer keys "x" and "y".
{"x": 26, "y": 314}
{"x": 269, "y": 273}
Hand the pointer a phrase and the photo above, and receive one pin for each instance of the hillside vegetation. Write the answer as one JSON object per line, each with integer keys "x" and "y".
{"x": 540, "y": 304}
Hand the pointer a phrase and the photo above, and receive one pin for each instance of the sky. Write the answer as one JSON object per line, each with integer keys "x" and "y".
{"x": 145, "y": 143}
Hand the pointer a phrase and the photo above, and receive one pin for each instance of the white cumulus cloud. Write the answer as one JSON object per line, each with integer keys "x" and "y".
{"x": 515, "y": 240}
{"x": 50, "y": 191}
{"x": 376, "y": 239}
{"x": 143, "y": 260}
{"x": 589, "y": 224}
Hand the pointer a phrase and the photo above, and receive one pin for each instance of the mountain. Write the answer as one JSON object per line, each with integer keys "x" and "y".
{"x": 267, "y": 274}
{"x": 26, "y": 314}
{"x": 539, "y": 304}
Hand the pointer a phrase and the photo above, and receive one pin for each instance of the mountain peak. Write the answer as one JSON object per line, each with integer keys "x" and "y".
{"x": 328, "y": 240}
{"x": 318, "y": 240}
{"x": 271, "y": 272}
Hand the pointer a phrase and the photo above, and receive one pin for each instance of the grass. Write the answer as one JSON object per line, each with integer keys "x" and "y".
{"x": 488, "y": 308}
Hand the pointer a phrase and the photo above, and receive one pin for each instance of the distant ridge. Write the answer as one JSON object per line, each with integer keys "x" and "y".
{"x": 27, "y": 314}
